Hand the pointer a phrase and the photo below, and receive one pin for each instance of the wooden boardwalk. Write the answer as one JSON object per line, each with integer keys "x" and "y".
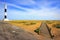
{"x": 45, "y": 32}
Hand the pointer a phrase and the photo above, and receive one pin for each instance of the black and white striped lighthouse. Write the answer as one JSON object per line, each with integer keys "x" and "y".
{"x": 5, "y": 12}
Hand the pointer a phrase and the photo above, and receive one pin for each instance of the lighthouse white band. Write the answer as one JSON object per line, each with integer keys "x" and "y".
{"x": 5, "y": 6}
{"x": 5, "y": 14}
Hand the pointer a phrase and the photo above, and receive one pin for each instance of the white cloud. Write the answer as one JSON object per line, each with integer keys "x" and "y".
{"x": 44, "y": 13}
{"x": 25, "y": 2}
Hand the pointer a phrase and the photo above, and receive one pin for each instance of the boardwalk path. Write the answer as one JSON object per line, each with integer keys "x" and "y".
{"x": 55, "y": 31}
{"x": 10, "y": 32}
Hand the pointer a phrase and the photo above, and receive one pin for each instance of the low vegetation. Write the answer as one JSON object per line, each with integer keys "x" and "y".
{"x": 37, "y": 30}
{"x": 24, "y": 22}
{"x": 29, "y": 23}
{"x": 33, "y": 25}
{"x": 56, "y": 25}
{"x": 49, "y": 22}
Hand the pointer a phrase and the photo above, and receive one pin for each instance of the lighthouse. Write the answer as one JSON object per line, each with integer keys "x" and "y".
{"x": 5, "y": 13}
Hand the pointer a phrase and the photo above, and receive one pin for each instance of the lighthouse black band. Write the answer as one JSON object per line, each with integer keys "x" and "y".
{"x": 5, "y": 10}
{"x": 5, "y": 16}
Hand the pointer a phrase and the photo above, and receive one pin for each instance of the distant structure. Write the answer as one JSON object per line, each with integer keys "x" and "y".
{"x": 45, "y": 30}
{"x": 5, "y": 12}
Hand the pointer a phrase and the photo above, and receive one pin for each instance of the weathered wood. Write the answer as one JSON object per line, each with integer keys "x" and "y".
{"x": 45, "y": 30}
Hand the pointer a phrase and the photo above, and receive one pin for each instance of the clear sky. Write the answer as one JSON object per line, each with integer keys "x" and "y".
{"x": 31, "y": 9}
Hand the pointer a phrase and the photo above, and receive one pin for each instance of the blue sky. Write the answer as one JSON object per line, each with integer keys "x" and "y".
{"x": 31, "y": 9}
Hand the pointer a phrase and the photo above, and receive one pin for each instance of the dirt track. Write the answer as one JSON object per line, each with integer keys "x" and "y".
{"x": 11, "y": 32}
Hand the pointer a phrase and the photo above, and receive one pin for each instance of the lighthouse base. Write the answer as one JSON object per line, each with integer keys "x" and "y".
{"x": 6, "y": 20}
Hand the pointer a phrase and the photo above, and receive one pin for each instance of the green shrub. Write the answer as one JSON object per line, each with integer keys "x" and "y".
{"x": 32, "y": 23}
{"x": 37, "y": 31}
{"x": 56, "y": 25}
{"x": 49, "y": 22}
{"x": 27, "y": 24}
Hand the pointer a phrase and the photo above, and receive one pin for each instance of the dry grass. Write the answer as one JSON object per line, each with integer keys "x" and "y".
{"x": 31, "y": 25}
